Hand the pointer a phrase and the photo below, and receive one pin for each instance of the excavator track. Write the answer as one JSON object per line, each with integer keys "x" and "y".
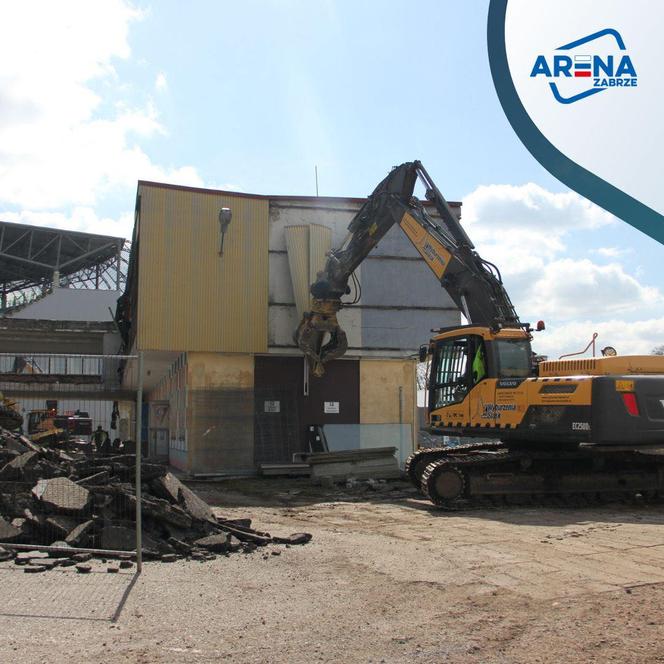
{"x": 421, "y": 458}
{"x": 483, "y": 476}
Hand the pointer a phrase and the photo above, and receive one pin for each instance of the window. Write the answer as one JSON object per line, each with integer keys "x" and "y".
{"x": 513, "y": 358}
{"x": 450, "y": 378}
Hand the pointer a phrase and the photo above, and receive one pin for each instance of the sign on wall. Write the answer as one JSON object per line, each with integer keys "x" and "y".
{"x": 272, "y": 406}
{"x": 331, "y": 407}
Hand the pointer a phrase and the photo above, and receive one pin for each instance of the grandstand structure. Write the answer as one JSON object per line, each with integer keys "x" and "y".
{"x": 35, "y": 260}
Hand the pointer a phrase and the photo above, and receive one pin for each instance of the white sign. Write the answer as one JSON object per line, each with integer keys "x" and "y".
{"x": 331, "y": 407}
{"x": 272, "y": 406}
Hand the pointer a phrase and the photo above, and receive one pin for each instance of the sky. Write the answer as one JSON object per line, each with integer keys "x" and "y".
{"x": 252, "y": 96}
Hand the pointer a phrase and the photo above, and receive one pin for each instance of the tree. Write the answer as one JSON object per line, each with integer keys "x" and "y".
{"x": 658, "y": 350}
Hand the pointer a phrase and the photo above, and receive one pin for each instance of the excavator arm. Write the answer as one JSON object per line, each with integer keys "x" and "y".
{"x": 474, "y": 285}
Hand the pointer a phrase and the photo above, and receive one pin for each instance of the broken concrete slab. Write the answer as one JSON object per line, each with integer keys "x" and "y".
{"x": 31, "y": 555}
{"x": 219, "y": 543}
{"x": 170, "y": 488}
{"x": 61, "y": 525}
{"x": 82, "y": 557}
{"x": 119, "y": 538}
{"x": 62, "y": 495}
{"x": 15, "y": 469}
{"x": 295, "y": 538}
{"x": 9, "y": 532}
{"x": 80, "y": 534}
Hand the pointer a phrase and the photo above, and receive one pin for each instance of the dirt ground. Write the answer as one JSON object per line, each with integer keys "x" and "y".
{"x": 386, "y": 578}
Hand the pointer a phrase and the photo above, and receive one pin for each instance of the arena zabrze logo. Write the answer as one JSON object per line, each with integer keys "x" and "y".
{"x": 594, "y": 71}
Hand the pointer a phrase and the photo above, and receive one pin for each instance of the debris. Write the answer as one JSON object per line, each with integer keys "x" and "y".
{"x": 9, "y": 532}
{"x": 78, "y": 536}
{"x": 374, "y": 463}
{"x": 62, "y": 495}
{"x": 83, "y": 569}
{"x": 295, "y": 538}
{"x": 34, "y": 569}
{"x": 219, "y": 543}
{"x": 69, "y": 500}
{"x": 31, "y": 555}
{"x": 112, "y": 569}
{"x": 82, "y": 557}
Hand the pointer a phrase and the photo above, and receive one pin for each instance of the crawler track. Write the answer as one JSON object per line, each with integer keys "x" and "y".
{"x": 485, "y": 475}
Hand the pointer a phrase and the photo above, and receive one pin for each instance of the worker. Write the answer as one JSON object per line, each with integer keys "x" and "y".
{"x": 479, "y": 366}
{"x": 102, "y": 441}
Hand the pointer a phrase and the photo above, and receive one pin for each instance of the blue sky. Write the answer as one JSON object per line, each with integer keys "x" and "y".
{"x": 253, "y": 95}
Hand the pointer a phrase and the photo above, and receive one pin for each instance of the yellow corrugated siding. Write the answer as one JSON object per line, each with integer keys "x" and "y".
{"x": 190, "y": 298}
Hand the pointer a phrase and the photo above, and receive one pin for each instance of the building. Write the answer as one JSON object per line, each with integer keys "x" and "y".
{"x": 59, "y": 292}
{"x": 214, "y": 314}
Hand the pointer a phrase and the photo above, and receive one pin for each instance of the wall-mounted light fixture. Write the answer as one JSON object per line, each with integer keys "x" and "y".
{"x": 225, "y": 216}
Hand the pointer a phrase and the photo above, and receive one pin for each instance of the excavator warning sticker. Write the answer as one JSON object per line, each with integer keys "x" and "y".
{"x": 624, "y": 386}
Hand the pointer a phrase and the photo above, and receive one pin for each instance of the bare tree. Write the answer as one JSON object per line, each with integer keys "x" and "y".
{"x": 658, "y": 350}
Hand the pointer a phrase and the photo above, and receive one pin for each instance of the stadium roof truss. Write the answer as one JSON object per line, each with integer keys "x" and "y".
{"x": 32, "y": 256}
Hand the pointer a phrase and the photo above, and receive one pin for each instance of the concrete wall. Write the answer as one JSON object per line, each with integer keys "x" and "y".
{"x": 401, "y": 299}
{"x": 77, "y": 304}
{"x": 220, "y": 412}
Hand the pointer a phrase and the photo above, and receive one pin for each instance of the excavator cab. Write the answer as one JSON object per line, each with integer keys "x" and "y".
{"x": 467, "y": 364}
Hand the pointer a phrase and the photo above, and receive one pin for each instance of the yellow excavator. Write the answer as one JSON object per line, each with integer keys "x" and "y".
{"x": 589, "y": 429}
{"x": 10, "y": 417}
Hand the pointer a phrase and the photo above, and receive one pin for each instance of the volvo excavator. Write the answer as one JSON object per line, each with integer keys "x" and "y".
{"x": 590, "y": 429}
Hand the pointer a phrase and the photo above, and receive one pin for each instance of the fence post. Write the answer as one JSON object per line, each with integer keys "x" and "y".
{"x": 139, "y": 451}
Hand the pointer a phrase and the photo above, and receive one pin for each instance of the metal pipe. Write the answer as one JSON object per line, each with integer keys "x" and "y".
{"x": 63, "y": 549}
{"x": 139, "y": 451}
{"x": 103, "y": 357}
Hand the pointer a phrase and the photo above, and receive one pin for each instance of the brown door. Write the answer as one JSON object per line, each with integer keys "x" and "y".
{"x": 282, "y": 412}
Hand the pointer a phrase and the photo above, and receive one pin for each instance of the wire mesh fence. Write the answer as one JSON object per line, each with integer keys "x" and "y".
{"x": 69, "y": 457}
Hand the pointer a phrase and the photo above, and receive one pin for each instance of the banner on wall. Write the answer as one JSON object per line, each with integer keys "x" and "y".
{"x": 581, "y": 83}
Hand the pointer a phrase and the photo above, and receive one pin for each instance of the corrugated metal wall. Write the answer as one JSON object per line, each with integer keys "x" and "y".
{"x": 190, "y": 297}
{"x": 307, "y": 247}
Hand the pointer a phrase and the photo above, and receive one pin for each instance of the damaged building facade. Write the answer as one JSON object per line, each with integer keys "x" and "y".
{"x": 214, "y": 312}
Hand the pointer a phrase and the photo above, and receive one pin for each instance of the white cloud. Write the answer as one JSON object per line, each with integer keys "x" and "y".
{"x": 161, "y": 83}
{"x": 568, "y": 288}
{"x": 63, "y": 142}
{"x": 80, "y": 218}
{"x": 501, "y": 208}
{"x": 628, "y": 338}
{"x": 526, "y": 231}
{"x": 611, "y": 252}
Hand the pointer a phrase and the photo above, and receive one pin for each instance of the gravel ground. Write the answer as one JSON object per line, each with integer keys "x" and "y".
{"x": 387, "y": 578}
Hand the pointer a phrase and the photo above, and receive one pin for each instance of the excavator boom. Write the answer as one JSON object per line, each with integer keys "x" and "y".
{"x": 474, "y": 285}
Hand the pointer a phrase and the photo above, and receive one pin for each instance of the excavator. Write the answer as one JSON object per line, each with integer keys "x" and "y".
{"x": 589, "y": 429}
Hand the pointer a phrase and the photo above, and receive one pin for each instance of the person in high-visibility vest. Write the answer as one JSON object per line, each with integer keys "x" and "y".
{"x": 479, "y": 366}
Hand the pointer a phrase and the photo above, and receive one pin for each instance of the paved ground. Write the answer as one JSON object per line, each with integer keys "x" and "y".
{"x": 387, "y": 578}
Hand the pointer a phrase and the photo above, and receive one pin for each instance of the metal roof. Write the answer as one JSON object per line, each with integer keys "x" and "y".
{"x": 31, "y": 254}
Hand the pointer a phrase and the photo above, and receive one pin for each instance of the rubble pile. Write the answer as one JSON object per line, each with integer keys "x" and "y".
{"x": 52, "y": 497}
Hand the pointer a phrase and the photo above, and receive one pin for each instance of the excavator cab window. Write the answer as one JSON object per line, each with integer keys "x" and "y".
{"x": 458, "y": 364}
{"x": 513, "y": 358}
